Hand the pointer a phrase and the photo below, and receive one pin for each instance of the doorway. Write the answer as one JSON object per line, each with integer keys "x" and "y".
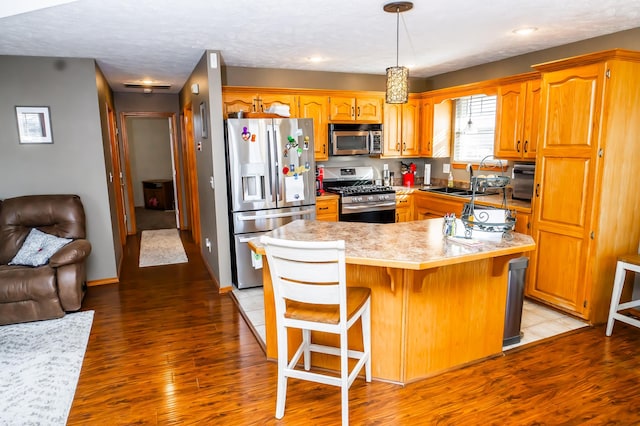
{"x": 152, "y": 170}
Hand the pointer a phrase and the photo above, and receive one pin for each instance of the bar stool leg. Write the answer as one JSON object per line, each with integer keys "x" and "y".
{"x": 618, "y": 283}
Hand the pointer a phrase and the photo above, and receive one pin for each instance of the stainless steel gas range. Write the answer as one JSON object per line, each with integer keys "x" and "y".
{"x": 360, "y": 199}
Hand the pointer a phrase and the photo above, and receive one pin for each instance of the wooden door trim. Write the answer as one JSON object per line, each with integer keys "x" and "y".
{"x": 176, "y": 161}
{"x": 117, "y": 171}
{"x": 191, "y": 175}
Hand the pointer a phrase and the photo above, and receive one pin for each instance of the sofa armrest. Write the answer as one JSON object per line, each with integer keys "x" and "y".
{"x": 73, "y": 252}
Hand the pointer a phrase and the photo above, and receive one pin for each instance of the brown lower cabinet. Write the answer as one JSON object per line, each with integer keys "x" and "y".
{"x": 327, "y": 208}
{"x": 404, "y": 207}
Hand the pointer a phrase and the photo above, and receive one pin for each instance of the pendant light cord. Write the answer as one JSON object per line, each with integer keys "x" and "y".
{"x": 397, "y": 36}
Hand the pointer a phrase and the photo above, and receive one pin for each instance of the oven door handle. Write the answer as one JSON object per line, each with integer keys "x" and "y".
{"x": 276, "y": 215}
{"x": 368, "y": 206}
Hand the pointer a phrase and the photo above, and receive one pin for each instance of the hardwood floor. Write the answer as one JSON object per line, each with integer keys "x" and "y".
{"x": 166, "y": 348}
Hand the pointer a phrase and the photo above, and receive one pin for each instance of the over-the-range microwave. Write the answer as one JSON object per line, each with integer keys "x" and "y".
{"x": 355, "y": 139}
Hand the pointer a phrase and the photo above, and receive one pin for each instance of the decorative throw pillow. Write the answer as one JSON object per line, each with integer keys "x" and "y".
{"x": 37, "y": 248}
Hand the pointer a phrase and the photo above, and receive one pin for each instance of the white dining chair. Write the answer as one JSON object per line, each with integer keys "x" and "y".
{"x": 625, "y": 263}
{"x": 311, "y": 294}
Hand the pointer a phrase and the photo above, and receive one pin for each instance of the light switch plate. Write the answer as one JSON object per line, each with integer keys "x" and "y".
{"x": 446, "y": 168}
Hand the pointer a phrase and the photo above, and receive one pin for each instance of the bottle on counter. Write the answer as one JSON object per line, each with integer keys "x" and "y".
{"x": 450, "y": 182}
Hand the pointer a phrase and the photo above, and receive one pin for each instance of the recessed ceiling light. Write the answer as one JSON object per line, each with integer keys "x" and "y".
{"x": 147, "y": 82}
{"x": 316, "y": 59}
{"x": 525, "y": 30}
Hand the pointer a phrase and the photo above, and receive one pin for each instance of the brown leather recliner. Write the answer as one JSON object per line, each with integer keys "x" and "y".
{"x": 30, "y": 293}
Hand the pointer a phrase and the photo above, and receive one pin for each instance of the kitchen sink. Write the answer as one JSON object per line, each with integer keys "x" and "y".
{"x": 460, "y": 192}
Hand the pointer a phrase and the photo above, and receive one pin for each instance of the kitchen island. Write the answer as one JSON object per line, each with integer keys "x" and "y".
{"x": 436, "y": 302}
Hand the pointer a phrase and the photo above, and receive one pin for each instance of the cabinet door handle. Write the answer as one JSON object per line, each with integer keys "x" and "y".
{"x": 324, "y": 149}
{"x": 323, "y": 208}
{"x": 526, "y": 146}
{"x": 404, "y": 146}
{"x": 537, "y": 190}
{"x": 398, "y": 146}
{"x": 518, "y": 146}
{"x": 358, "y": 111}
{"x": 353, "y": 112}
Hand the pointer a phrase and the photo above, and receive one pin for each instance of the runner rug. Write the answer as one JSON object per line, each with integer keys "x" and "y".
{"x": 40, "y": 364}
{"x": 161, "y": 247}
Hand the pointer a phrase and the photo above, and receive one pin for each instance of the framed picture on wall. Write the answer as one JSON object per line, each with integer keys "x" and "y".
{"x": 203, "y": 119}
{"x": 34, "y": 124}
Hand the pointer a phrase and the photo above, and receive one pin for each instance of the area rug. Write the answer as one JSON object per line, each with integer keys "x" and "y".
{"x": 40, "y": 364}
{"x": 161, "y": 247}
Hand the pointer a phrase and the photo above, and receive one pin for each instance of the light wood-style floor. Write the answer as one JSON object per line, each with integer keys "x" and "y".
{"x": 167, "y": 349}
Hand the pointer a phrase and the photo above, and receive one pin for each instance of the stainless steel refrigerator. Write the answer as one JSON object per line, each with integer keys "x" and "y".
{"x": 271, "y": 182}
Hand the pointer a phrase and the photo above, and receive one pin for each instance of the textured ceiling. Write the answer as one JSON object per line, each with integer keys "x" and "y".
{"x": 163, "y": 40}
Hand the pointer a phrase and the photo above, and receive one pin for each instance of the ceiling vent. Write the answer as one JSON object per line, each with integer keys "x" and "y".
{"x": 147, "y": 86}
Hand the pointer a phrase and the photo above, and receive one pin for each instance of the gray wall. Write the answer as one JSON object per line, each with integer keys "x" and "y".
{"x": 149, "y": 152}
{"x": 211, "y": 163}
{"x": 75, "y": 162}
{"x": 269, "y": 77}
{"x": 629, "y": 39}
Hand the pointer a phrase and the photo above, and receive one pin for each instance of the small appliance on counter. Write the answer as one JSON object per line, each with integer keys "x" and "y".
{"x": 408, "y": 174}
{"x": 523, "y": 177}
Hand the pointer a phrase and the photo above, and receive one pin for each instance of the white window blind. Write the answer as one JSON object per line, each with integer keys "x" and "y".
{"x": 475, "y": 123}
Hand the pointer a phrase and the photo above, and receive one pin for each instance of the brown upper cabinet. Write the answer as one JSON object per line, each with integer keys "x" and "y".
{"x": 252, "y": 101}
{"x": 517, "y": 119}
{"x": 400, "y": 128}
{"x": 356, "y": 108}
{"x": 317, "y": 107}
{"x": 435, "y": 127}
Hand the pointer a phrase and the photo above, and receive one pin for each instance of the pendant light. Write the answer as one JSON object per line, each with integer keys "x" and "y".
{"x": 397, "y": 77}
{"x": 471, "y": 128}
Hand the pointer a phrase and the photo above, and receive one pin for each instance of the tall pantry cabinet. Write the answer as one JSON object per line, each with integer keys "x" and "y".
{"x": 586, "y": 202}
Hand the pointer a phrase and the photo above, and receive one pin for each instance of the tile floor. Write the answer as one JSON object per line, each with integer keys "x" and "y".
{"x": 538, "y": 321}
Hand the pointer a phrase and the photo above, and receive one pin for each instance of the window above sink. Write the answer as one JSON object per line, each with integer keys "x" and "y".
{"x": 474, "y": 124}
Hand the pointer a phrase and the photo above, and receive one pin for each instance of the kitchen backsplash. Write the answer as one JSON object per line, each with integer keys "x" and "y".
{"x": 438, "y": 178}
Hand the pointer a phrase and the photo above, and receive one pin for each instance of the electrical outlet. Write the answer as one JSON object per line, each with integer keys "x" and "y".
{"x": 446, "y": 168}
{"x": 207, "y": 244}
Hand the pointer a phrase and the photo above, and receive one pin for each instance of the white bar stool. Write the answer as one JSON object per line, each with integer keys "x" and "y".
{"x": 630, "y": 262}
{"x": 310, "y": 293}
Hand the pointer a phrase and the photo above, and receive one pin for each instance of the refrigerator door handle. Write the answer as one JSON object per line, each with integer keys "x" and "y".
{"x": 245, "y": 239}
{"x": 276, "y": 215}
{"x": 273, "y": 159}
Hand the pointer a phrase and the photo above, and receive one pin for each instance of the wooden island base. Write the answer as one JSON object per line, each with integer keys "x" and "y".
{"x": 425, "y": 320}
